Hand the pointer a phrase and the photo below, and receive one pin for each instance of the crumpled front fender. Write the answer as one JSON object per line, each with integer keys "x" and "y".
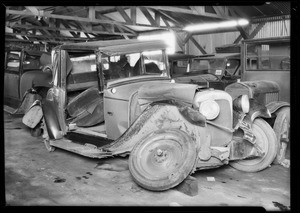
{"x": 156, "y": 117}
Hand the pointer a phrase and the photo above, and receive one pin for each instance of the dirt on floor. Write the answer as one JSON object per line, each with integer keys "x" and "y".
{"x": 36, "y": 177}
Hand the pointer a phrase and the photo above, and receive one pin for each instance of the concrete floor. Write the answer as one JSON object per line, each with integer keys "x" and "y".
{"x": 36, "y": 177}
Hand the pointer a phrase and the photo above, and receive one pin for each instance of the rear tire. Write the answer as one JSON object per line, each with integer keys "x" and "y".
{"x": 266, "y": 139}
{"x": 282, "y": 130}
{"x": 162, "y": 159}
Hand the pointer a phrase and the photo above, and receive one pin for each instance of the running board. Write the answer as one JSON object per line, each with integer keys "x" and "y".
{"x": 87, "y": 150}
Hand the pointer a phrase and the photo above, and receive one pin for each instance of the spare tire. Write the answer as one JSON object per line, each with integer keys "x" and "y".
{"x": 162, "y": 159}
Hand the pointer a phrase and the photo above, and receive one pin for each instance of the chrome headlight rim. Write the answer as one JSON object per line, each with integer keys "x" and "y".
{"x": 210, "y": 109}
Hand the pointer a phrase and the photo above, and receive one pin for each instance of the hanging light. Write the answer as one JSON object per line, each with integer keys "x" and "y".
{"x": 214, "y": 26}
{"x": 168, "y": 37}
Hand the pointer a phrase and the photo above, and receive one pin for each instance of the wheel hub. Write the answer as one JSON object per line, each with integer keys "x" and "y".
{"x": 160, "y": 155}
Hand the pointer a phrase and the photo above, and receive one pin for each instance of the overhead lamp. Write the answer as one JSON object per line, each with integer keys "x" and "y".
{"x": 168, "y": 37}
{"x": 214, "y": 26}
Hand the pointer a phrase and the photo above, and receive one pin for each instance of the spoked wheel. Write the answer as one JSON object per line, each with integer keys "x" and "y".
{"x": 266, "y": 139}
{"x": 46, "y": 137}
{"x": 282, "y": 131}
{"x": 162, "y": 159}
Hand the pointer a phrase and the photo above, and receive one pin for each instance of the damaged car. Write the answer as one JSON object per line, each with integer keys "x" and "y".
{"x": 25, "y": 78}
{"x": 127, "y": 104}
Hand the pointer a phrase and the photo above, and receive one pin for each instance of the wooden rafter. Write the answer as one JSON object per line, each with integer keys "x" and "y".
{"x": 80, "y": 19}
{"x": 198, "y": 45}
{"x": 30, "y": 27}
{"x": 124, "y": 15}
{"x": 149, "y": 17}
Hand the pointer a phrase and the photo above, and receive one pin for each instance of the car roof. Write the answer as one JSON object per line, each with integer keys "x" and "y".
{"x": 112, "y": 47}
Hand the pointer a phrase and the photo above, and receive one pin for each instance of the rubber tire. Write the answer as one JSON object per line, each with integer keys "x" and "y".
{"x": 282, "y": 114}
{"x": 171, "y": 178}
{"x": 261, "y": 130}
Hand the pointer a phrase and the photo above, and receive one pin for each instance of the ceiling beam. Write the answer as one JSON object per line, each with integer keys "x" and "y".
{"x": 124, "y": 15}
{"x": 49, "y": 37}
{"x": 198, "y": 45}
{"x": 133, "y": 14}
{"x": 31, "y": 27}
{"x": 148, "y": 16}
{"x": 76, "y": 18}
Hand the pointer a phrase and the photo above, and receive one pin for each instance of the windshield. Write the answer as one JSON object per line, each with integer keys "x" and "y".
{"x": 207, "y": 66}
{"x": 133, "y": 64}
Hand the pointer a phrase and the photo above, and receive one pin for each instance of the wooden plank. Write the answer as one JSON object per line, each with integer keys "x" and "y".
{"x": 148, "y": 16}
{"x": 133, "y": 14}
{"x": 157, "y": 18}
{"x": 92, "y": 13}
{"x": 124, "y": 15}
{"x": 29, "y": 27}
{"x": 80, "y": 19}
{"x": 198, "y": 45}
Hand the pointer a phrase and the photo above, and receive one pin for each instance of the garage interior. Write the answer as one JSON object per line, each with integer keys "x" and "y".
{"x": 36, "y": 177}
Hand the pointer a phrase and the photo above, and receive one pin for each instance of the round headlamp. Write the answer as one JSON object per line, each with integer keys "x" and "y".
{"x": 210, "y": 109}
{"x": 242, "y": 103}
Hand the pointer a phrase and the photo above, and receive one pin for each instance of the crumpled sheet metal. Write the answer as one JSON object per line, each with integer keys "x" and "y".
{"x": 154, "y": 118}
{"x": 158, "y": 91}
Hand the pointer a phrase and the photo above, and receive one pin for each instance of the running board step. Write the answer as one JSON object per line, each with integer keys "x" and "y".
{"x": 87, "y": 150}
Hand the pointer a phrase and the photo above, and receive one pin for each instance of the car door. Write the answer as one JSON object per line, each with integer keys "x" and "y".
{"x": 12, "y": 75}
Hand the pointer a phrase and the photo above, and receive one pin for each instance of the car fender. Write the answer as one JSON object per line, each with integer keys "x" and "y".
{"x": 162, "y": 115}
{"x": 51, "y": 120}
{"x": 257, "y": 110}
{"x": 276, "y": 105}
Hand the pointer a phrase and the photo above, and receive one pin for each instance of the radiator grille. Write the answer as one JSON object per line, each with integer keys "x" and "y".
{"x": 270, "y": 97}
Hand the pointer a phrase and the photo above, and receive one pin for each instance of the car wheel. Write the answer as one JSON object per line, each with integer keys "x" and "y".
{"x": 282, "y": 130}
{"x": 162, "y": 159}
{"x": 266, "y": 139}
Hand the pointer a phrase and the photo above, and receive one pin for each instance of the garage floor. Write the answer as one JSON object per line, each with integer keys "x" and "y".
{"x": 36, "y": 177}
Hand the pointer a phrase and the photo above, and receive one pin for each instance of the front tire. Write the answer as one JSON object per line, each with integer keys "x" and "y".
{"x": 266, "y": 139}
{"x": 162, "y": 159}
{"x": 282, "y": 130}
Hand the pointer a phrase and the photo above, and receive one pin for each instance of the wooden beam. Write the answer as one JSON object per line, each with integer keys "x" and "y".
{"x": 157, "y": 18}
{"x": 149, "y": 17}
{"x": 198, "y": 45}
{"x": 80, "y": 19}
{"x": 50, "y": 37}
{"x": 124, "y": 15}
{"x": 243, "y": 32}
{"x": 257, "y": 29}
{"x": 30, "y": 27}
{"x": 133, "y": 14}
{"x": 179, "y": 41}
{"x": 92, "y": 16}
{"x": 220, "y": 12}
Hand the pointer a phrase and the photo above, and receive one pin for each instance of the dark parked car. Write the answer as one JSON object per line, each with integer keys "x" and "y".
{"x": 215, "y": 70}
{"x": 126, "y": 104}
{"x": 266, "y": 78}
{"x": 24, "y": 78}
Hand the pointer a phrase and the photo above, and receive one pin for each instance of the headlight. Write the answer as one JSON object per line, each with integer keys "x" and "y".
{"x": 241, "y": 103}
{"x": 210, "y": 109}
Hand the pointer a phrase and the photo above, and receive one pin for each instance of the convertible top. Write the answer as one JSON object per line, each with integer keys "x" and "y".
{"x": 113, "y": 47}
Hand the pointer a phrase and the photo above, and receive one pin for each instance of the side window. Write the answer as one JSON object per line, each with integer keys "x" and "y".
{"x": 13, "y": 61}
{"x": 268, "y": 56}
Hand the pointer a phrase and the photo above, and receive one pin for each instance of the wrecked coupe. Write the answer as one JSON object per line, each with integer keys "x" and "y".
{"x": 117, "y": 98}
